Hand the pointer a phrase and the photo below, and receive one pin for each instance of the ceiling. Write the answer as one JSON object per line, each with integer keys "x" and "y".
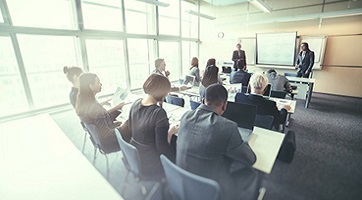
{"x": 225, "y": 2}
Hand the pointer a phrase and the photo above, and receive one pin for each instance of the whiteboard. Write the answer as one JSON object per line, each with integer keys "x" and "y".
{"x": 249, "y": 46}
{"x": 317, "y": 44}
{"x": 275, "y": 48}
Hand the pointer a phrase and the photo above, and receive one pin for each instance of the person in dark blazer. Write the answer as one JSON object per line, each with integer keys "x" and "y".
{"x": 239, "y": 58}
{"x": 210, "y": 145}
{"x": 240, "y": 76}
{"x": 257, "y": 84}
{"x": 305, "y": 61}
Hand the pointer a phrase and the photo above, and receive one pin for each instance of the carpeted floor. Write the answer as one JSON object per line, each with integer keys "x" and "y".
{"x": 327, "y": 163}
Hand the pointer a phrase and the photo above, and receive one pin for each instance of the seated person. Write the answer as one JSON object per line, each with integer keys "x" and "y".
{"x": 240, "y": 76}
{"x": 212, "y": 63}
{"x": 92, "y": 112}
{"x": 73, "y": 74}
{"x": 209, "y": 145}
{"x": 279, "y": 82}
{"x": 194, "y": 71}
{"x": 211, "y": 76}
{"x": 150, "y": 126}
{"x": 257, "y": 84}
{"x": 160, "y": 66}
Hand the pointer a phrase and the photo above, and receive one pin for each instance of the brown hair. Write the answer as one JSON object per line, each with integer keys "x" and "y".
{"x": 210, "y": 76}
{"x": 194, "y": 62}
{"x": 71, "y": 71}
{"x": 157, "y": 86}
{"x": 211, "y": 62}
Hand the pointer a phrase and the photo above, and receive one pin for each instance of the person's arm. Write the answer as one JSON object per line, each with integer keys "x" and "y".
{"x": 297, "y": 62}
{"x": 161, "y": 135}
{"x": 311, "y": 62}
{"x": 197, "y": 75}
{"x": 238, "y": 150}
{"x": 235, "y": 56}
{"x": 102, "y": 120}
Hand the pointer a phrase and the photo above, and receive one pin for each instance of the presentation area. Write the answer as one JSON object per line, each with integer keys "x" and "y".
{"x": 276, "y": 48}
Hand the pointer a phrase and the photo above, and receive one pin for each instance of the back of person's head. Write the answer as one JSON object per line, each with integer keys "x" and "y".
{"x": 258, "y": 83}
{"x": 158, "y": 62}
{"x": 194, "y": 62}
{"x": 85, "y": 93}
{"x": 211, "y": 62}
{"x": 157, "y": 86}
{"x": 210, "y": 76}
{"x": 71, "y": 72}
{"x": 216, "y": 97}
{"x": 272, "y": 73}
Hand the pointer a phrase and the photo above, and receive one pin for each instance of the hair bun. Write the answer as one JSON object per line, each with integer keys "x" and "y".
{"x": 65, "y": 69}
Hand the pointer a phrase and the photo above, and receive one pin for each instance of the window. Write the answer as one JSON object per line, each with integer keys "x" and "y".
{"x": 12, "y": 98}
{"x": 44, "y": 58}
{"x": 102, "y": 15}
{"x": 1, "y": 17}
{"x": 141, "y": 60}
{"x": 106, "y": 59}
{"x": 43, "y": 13}
{"x": 169, "y": 18}
{"x": 170, "y": 52}
{"x": 189, "y": 50}
{"x": 189, "y": 22}
{"x": 140, "y": 17}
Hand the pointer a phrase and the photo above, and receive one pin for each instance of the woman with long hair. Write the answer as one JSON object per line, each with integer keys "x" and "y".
{"x": 211, "y": 76}
{"x": 149, "y": 124}
{"x": 73, "y": 74}
{"x": 92, "y": 112}
{"x": 195, "y": 71}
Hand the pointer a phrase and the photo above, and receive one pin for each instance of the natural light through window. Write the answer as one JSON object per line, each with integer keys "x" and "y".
{"x": 139, "y": 17}
{"x": 169, "y": 18}
{"x": 170, "y": 52}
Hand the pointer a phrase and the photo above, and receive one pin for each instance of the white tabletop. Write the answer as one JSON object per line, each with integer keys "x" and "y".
{"x": 39, "y": 162}
{"x": 299, "y": 79}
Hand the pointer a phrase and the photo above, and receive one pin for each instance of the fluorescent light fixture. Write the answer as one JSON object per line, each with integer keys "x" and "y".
{"x": 342, "y": 13}
{"x": 200, "y": 14}
{"x": 261, "y": 5}
{"x": 154, "y": 2}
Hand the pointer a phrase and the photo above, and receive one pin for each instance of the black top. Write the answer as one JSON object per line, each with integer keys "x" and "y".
{"x": 240, "y": 76}
{"x": 149, "y": 125}
{"x": 73, "y": 96}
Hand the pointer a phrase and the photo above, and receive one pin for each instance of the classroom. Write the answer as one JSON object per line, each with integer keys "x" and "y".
{"x": 180, "y": 99}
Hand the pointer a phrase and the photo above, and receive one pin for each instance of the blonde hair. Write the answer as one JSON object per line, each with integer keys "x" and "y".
{"x": 158, "y": 62}
{"x": 258, "y": 82}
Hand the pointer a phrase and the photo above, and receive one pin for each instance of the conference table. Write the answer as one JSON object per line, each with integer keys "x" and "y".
{"x": 265, "y": 143}
{"x": 39, "y": 162}
{"x": 304, "y": 81}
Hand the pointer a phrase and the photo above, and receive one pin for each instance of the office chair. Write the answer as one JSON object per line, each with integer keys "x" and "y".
{"x": 278, "y": 94}
{"x": 99, "y": 144}
{"x": 186, "y": 185}
{"x": 132, "y": 161}
{"x": 194, "y": 104}
{"x": 264, "y": 121}
{"x": 175, "y": 100}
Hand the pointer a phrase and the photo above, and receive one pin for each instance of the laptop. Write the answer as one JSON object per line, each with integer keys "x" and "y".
{"x": 189, "y": 80}
{"x": 244, "y": 115}
{"x": 267, "y": 92}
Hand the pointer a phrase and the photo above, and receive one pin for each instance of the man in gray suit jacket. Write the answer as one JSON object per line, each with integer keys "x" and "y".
{"x": 210, "y": 145}
{"x": 305, "y": 61}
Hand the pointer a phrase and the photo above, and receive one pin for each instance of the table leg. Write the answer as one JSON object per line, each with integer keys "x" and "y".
{"x": 310, "y": 91}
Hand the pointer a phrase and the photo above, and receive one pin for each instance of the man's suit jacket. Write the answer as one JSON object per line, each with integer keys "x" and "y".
{"x": 305, "y": 63}
{"x": 208, "y": 144}
{"x": 240, "y": 76}
{"x": 239, "y": 64}
{"x": 265, "y": 106}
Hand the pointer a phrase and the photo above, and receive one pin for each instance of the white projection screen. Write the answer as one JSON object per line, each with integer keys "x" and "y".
{"x": 276, "y": 48}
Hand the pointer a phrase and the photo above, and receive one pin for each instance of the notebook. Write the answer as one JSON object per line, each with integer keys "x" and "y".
{"x": 244, "y": 115}
{"x": 120, "y": 95}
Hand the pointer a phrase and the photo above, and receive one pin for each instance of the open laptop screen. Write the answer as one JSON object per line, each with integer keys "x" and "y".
{"x": 189, "y": 80}
{"x": 243, "y": 114}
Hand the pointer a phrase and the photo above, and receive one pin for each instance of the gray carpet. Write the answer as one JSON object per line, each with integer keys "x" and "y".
{"x": 327, "y": 163}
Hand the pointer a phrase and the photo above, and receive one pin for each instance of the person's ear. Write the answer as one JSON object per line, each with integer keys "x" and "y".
{"x": 203, "y": 100}
{"x": 224, "y": 106}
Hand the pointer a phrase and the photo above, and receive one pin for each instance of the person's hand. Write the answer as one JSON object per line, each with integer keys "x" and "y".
{"x": 119, "y": 106}
{"x": 118, "y": 123}
{"x": 306, "y": 72}
{"x": 172, "y": 131}
{"x": 287, "y": 107}
{"x": 296, "y": 66}
{"x": 167, "y": 73}
{"x": 184, "y": 87}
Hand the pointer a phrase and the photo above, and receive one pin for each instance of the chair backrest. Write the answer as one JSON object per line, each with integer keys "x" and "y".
{"x": 278, "y": 94}
{"x": 130, "y": 154}
{"x": 194, "y": 104}
{"x": 175, "y": 100}
{"x": 264, "y": 121}
{"x": 241, "y": 113}
{"x": 185, "y": 185}
{"x": 94, "y": 135}
{"x": 244, "y": 89}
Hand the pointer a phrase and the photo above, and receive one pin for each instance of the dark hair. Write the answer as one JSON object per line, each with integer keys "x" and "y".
{"x": 71, "y": 71}
{"x": 210, "y": 76}
{"x": 157, "y": 86}
{"x": 211, "y": 62}
{"x": 194, "y": 62}
{"x": 216, "y": 94}
{"x": 85, "y": 93}
{"x": 271, "y": 71}
{"x": 306, "y": 45}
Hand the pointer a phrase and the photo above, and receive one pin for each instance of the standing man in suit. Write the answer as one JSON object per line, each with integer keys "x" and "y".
{"x": 305, "y": 61}
{"x": 239, "y": 58}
